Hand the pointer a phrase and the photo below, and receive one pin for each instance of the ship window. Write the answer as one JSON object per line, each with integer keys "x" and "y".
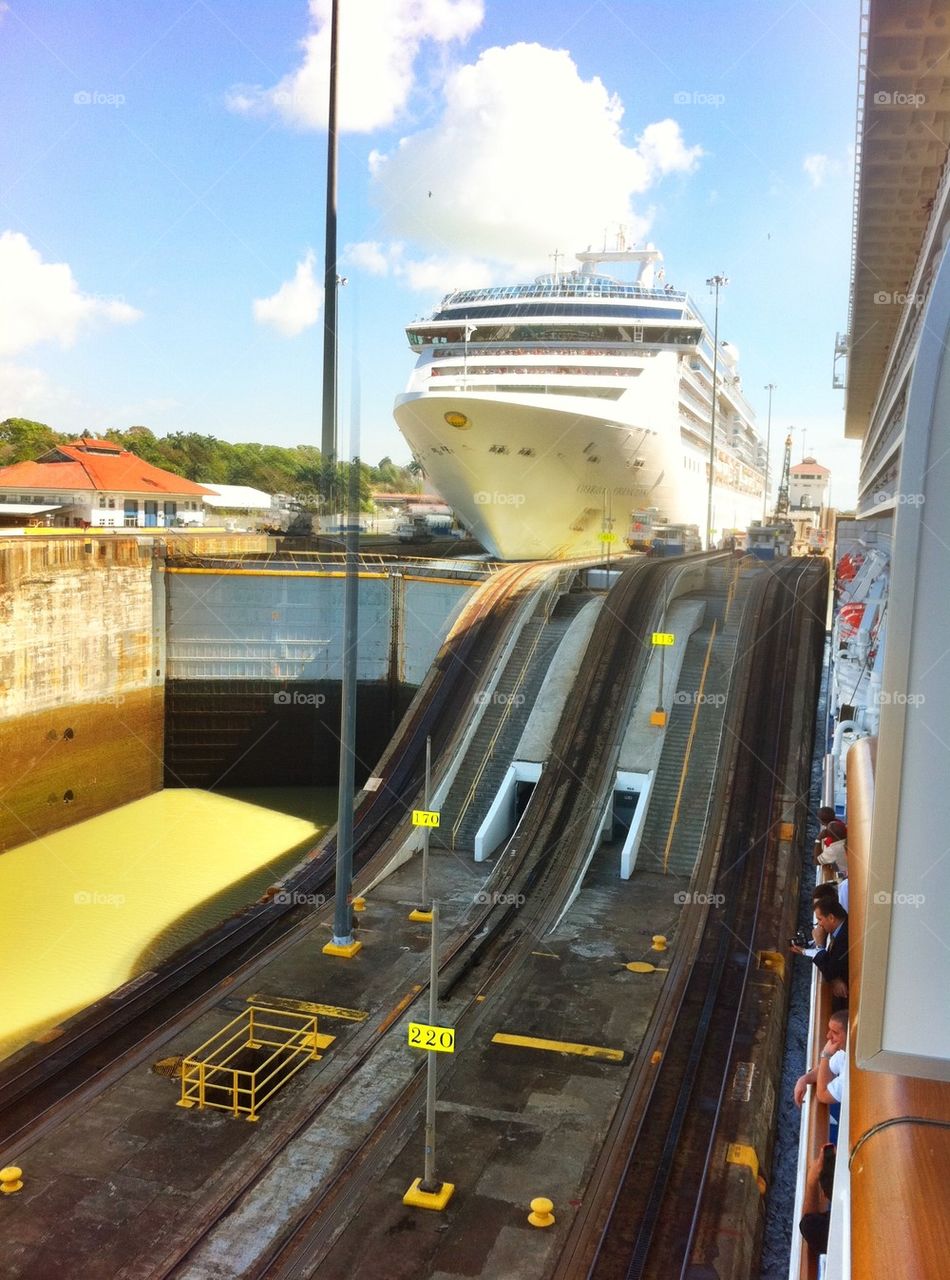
{"x": 498, "y": 448}
{"x": 526, "y": 453}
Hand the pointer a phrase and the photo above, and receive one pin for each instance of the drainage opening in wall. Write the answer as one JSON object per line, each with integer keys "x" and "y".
{"x": 68, "y": 797}
{"x": 68, "y": 733}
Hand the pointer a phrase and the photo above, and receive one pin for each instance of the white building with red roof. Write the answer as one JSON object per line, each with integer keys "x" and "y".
{"x": 808, "y": 485}
{"x": 100, "y": 484}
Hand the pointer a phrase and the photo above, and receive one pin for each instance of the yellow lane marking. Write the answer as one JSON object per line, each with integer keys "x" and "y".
{"x": 393, "y": 1014}
{"x": 304, "y": 1006}
{"x": 320, "y": 573}
{"x": 550, "y": 955}
{"x": 277, "y": 573}
{"x": 560, "y": 1046}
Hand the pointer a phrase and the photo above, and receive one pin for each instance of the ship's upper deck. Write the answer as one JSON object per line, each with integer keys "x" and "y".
{"x": 573, "y": 285}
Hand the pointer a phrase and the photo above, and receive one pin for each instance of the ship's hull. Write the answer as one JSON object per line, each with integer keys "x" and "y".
{"x": 532, "y": 481}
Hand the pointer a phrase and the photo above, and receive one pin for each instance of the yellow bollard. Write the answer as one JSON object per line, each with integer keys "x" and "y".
{"x": 359, "y": 904}
{"x": 11, "y": 1180}
{"x": 659, "y": 942}
{"x": 541, "y": 1215}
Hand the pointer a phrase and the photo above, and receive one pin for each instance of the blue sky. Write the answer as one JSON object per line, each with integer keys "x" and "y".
{"x": 170, "y": 157}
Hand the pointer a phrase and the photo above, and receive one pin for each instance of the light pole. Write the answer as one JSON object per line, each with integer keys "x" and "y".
{"x": 769, "y": 387}
{"x": 716, "y": 283}
{"x": 469, "y": 330}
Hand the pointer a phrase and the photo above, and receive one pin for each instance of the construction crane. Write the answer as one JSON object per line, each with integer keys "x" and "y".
{"x": 781, "y": 498}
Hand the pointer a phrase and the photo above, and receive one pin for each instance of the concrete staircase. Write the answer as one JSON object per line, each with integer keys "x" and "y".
{"x": 503, "y": 721}
{"x": 704, "y": 753}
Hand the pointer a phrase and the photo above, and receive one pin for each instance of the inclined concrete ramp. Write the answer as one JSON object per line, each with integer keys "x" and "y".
{"x": 535, "y": 744}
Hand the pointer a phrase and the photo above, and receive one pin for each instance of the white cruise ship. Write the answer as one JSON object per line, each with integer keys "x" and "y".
{"x": 546, "y": 414}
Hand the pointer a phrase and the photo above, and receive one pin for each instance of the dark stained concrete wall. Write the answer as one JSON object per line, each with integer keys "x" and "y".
{"x": 81, "y": 680}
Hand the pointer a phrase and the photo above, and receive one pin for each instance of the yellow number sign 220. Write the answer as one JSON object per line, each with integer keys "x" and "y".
{"x": 437, "y": 1039}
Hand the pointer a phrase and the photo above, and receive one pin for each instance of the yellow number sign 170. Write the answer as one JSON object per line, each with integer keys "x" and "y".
{"x": 425, "y": 817}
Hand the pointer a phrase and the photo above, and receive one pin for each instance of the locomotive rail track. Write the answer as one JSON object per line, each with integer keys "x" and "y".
{"x": 648, "y": 1193}
{"x": 38, "y": 1085}
{"x": 621, "y": 1229}
{"x": 540, "y": 865}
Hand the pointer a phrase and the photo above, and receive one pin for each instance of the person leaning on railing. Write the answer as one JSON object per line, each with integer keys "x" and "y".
{"x": 834, "y": 1045}
{"x": 830, "y": 952}
{"x": 818, "y": 1188}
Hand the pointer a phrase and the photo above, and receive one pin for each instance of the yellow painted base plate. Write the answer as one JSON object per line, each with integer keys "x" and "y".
{"x": 658, "y": 718}
{"x": 336, "y": 949}
{"x": 418, "y": 914}
{"x": 418, "y": 1199}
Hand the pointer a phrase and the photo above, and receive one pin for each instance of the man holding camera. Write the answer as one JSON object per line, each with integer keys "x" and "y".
{"x": 830, "y": 952}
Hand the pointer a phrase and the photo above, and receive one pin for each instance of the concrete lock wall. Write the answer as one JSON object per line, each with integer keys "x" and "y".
{"x": 255, "y": 663}
{"x": 81, "y": 680}
{"x": 88, "y": 720}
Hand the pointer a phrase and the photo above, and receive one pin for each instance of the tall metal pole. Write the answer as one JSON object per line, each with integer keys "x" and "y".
{"x": 343, "y": 940}
{"x": 429, "y": 1183}
{"x": 425, "y": 830}
{"x": 769, "y": 387}
{"x": 714, "y": 282}
{"x": 328, "y": 448}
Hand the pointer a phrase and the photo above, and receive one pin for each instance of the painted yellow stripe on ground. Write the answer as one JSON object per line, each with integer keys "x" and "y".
{"x": 400, "y": 1008}
{"x": 304, "y": 1006}
{"x": 560, "y": 1046}
{"x": 275, "y": 573}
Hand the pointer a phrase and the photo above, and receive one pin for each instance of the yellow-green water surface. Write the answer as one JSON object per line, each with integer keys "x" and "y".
{"x": 84, "y": 910}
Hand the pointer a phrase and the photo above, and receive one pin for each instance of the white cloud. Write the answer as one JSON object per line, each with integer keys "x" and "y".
{"x": 21, "y": 388}
{"x": 432, "y": 273}
{"x": 527, "y": 158}
{"x": 41, "y": 301}
{"x": 296, "y": 304}
{"x": 818, "y": 167}
{"x": 368, "y": 256}
{"x": 379, "y": 41}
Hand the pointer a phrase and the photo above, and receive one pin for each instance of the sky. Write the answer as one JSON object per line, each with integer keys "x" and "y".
{"x": 163, "y": 180}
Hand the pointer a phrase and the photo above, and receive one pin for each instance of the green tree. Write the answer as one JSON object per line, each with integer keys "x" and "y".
{"x": 142, "y": 442}
{"x": 22, "y": 440}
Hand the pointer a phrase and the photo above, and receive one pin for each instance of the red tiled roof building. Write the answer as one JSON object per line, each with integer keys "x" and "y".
{"x": 93, "y": 481}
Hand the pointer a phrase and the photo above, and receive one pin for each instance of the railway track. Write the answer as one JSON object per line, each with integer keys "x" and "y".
{"x": 649, "y": 1195}
{"x": 39, "y": 1085}
{"x": 541, "y": 865}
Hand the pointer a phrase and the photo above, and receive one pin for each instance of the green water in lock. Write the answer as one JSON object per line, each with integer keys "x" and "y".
{"x": 86, "y": 909}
